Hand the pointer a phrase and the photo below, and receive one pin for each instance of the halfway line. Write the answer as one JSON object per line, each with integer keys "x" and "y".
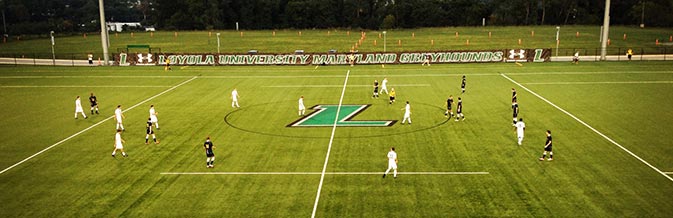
{"x": 587, "y": 125}
{"x": 84, "y": 86}
{"x": 329, "y": 147}
{"x": 94, "y": 125}
{"x": 320, "y": 173}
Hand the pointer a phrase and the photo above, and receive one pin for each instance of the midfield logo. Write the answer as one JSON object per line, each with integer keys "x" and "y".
{"x": 323, "y": 116}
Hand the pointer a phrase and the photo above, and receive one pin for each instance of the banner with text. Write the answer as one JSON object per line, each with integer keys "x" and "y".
{"x": 485, "y": 56}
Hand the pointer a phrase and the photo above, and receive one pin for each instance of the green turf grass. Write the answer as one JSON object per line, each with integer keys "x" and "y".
{"x": 589, "y": 176}
{"x": 322, "y": 40}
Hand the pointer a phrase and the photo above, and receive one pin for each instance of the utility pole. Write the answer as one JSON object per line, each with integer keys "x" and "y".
{"x": 103, "y": 32}
{"x": 606, "y": 31}
{"x": 642, "y": 16}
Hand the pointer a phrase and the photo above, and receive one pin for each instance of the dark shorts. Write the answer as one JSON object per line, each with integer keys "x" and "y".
{"x": 392, "y": 98}
{"x": 548, "y": 148}
{"x": 376, "y": 89}
{"x": 515, "y": 114}
{"x": 210, "y": 154}
{"x": 448, "y": 107}
{"x": 629, "y": 56}
{"x": 150, "y": 131}
{"x": 94, "y": 104}
{"x": 459, "y": 110}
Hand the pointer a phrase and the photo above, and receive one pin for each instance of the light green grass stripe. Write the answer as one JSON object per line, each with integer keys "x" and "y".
{"x": 83, "y": 86}
{"x": 604, "y": 82}
{"x": 94, "y": 125}
{"x": 588, "y": 126}
{"x": 320, "y": 173}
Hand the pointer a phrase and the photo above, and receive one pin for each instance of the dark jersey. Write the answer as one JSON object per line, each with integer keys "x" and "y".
{"x": 547, "y": 145}
{"x": 449, "y": 103}
{"x": 208, "y": 145}
{"x": 459, "y": 108}
{"x": 515, "y": 110}
{"x": 462, "y": 85}
{"x": 513, "y": 96}
{"x": 93, "y": 100}
{"x": 376, "y": 86}
{"x": 149, "y": 127}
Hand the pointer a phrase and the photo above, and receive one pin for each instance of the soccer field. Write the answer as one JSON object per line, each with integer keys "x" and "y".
{"x": 611, "y": 125}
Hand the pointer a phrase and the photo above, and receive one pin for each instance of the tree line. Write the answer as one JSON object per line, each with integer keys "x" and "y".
{"x": 70, "y": 16}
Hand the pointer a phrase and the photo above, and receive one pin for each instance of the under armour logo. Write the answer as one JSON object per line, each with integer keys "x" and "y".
{"x": 521, "y": 54}
{"x": 141, "y": 58}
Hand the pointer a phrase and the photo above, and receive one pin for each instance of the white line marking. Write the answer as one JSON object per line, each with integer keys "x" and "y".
{"x": 338, "y": 86}
{"x": 587, "y": 125}
{"x": 669, "y": 173}
{"x": 329, "y": 148}
{"x": 592, "y": 73}
{"x": 594, "y": 83}
{"x": 320, "y": 173}
{"x": 61, "y": 77}
{"x": 94, "y": 125}
{"x": 83, "y": 86}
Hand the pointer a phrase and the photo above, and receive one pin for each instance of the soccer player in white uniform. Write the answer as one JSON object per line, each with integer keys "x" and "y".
{"x": 520, "y": 127}
{"x": 407, "y": 113}
{"x": 78, "y": 107}
{"x": 384, "y": 85}
{"x": 119, "y": 144}
{"x": 302, "y": 108}
{"x": 153, "y": 116}
{"x": 234, "y": 98}
{"x": 392, "y": 163}
{"x": 118, "y": 117}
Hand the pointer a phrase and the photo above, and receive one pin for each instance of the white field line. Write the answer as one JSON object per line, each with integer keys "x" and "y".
{"x": 595, "y": 83}
{"x": 117, "y": 76}
{"x": 320, "y": 173}
{"x": 338, "y": 86}
{"x": 587, "y": 125}
{"x": 83, "y": 86}
{"x": 247, "y": 77}
{"x": 329, "y": 147}
{"x": 94, "y": 125}
{"x": 669, "y": 173}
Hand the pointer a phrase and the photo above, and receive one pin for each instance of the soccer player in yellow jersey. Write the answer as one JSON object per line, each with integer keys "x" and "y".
{"x": 392, "y": 96}
{"x": 629, "y": 53}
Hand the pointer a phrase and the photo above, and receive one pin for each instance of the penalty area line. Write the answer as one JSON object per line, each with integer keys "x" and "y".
{"x": 92, "y": 126}
{"x": 320, "y": 173}
{"x": 588, "y": 126}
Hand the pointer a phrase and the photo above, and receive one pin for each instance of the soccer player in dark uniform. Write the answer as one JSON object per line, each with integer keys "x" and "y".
{"x": 515, "y": 112}
{"x": 94, "y": 103}
{"x": 513, "y": 95}
{"x": 376, "y": 89}
{"x": 462, "y": 85}
{"x": 547, "y": 147}
{"x": 459, "y": 110}
{"x": 449, "y": 103}
{"x": 210, "y": 156}
{"x": 150, "y": 131}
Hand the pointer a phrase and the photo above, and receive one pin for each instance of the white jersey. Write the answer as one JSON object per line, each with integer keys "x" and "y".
{"x": 153, "y": 115}
{"x": 78, "y": 106}
{"x": 384, "y": 83}
{"x": 407, "y": 110}
{"x": 118, "y": 115}
{"x": 577, "y": 55}
{"x": 301, "y": 104}
{"x": 392, "y": 156}
{"x": 118, "y": 141}
{"x": 519, "y": 128}
{"x": 234, "y": 95}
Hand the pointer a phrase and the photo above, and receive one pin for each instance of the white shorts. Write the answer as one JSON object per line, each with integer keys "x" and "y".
{"x": 520, "y": 136}
{"x": 302, "y": 108}
{"x": 392, "y": 165}
{"x": 78, "y": 109}
{"x": 119, "y": 146}
{"x": 153, "y": 119}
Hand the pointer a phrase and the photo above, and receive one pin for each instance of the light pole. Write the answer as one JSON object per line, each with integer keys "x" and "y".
{"x": 218, "y": 43}
{"x": 558, "y": 28}
{"x": 53, "y": 55}
{"x": 384, "y": 41}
